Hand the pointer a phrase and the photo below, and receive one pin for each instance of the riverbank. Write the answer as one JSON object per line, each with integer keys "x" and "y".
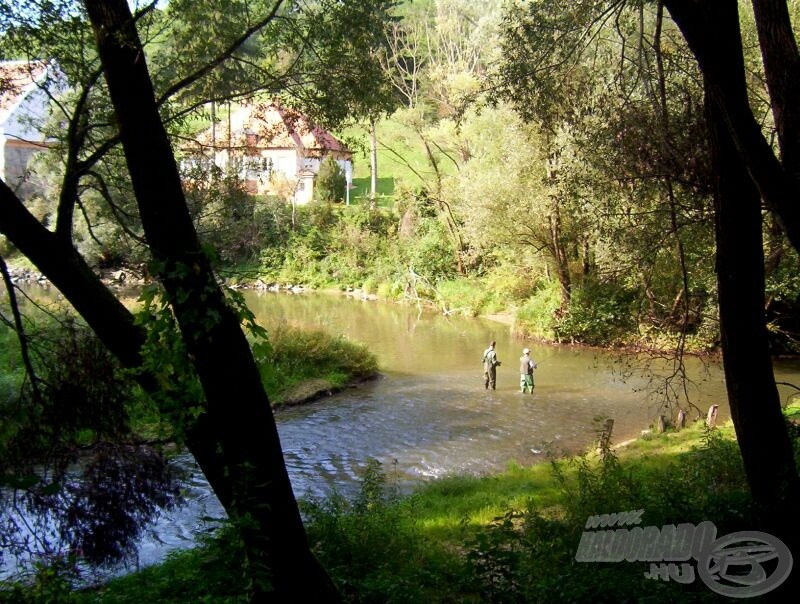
{"x": 510, "y": 536}
{"x": 467, "y": 297}
{"x": 315, "y": 389}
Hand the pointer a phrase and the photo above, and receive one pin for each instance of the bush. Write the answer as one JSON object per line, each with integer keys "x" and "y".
{"x": 295, "y": 355}
{"x": 467, "y": 297}
{"x": 537, "y": 317}
{"x": 330, "y": 183}
{"x": 78, "y": 408}
{"x": 372, "y": 546}
{"x": 431, "y": 255}
{"x": 599, "y": 314}
{"x": 528, "y": 556}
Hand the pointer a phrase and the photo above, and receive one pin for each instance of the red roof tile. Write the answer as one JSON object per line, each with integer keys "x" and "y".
{"x": 17, "y": 79}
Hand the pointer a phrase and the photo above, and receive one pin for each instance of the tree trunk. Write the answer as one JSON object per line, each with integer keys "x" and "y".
{"x": 113, "y": 324}
{"x": 782, "y": 71}
{"x": 712, "y": 31}
{"x": 241, "y": 424}
{"x": 744, "y": 167}
{"x": 373, "y": 158}
{"x": 560, "y": 257}
{"x": 753, "y": 397}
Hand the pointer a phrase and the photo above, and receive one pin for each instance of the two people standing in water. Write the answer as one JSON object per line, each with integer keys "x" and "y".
{"x": 491, "y": 363}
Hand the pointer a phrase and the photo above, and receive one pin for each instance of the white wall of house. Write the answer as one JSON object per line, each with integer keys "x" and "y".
{"x": 22, "y": 137}
{"x": 260, "y": 171}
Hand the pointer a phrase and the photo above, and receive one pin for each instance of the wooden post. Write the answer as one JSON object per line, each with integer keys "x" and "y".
{"x": 605, "y": 435}
{"x": 681, "y": 423}
{"x": 711, "y": 418}
{"x": 662, "y": 424}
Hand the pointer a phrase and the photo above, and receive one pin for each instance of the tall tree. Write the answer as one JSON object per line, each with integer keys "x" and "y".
{"x": 744, "y": 166}
{"x": 244, "y": 428}
{"x": 704, "y": 24}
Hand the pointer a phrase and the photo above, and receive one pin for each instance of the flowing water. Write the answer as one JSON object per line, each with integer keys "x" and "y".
{"x": 428, "y": 414}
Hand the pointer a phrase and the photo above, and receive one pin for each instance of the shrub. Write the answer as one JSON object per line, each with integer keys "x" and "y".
{"x": 599, "y": 314}
{"x": 330, "y": 183}
{"x": 78, "y": 408}
{"x": 431, "y": 255}
{"x": 467, "y": 297}
{"x": 537, "y": 316}
{"x": 372, "y": 546}
{"x": 295, "y": 355}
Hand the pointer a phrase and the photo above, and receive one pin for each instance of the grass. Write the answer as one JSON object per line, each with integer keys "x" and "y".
{"x": 505, "y": 537}
{"x": 362, "y": 187}
{"x": 445, "y": 506}
{"x": 296, "y": 364}
{"x": 401, "y": 154}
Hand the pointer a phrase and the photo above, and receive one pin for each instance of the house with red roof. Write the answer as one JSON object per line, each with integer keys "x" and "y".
{"x": 272, "y": 148}
{"x": 24, "y": 107}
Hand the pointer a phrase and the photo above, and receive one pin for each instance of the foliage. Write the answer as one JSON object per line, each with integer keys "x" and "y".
{"x": 528, "y": 554}
{"x": 73, "y": 477}
{"x": 599, "y": 314}
{"x": 293, "y": 356}
{"x": 212, "y": 572}
{"x": 330, "y": 183}
{"x": 180, "y": 397}
{"x": 504, "y": 538}
{"x": 372, "y": 546}
{"x": 464, "y": 297}
{"x": 225, "y": 215}
{"x": 431, "y": 255}
{"x": 537, "y": 316}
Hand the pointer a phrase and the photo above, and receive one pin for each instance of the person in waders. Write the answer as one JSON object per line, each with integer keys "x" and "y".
{"x": 490, "y": 365}
{"x": 526, "y": 367}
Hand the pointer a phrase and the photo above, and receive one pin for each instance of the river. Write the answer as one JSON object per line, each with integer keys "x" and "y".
{"x": 428, "y": 414}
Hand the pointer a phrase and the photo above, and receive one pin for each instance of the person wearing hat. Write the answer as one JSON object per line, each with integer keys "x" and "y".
{"x": 526, "y": 367}
{"x": 490, "y": 365}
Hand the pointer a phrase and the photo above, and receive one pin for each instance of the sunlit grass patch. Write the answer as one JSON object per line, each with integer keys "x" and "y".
{"x": 295, "y": 356}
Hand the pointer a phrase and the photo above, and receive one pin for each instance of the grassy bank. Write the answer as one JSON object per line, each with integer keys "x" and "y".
{"x": 510, "y": 537}
{"x": 300, "y": 365}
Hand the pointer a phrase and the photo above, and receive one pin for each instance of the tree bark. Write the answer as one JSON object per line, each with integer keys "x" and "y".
{"x": 746, "y": 171}
{"x": 752, "y": 394}
{"x": 782, "y": 70}
{"x": 560, "y": 256}
{"x": 241, "y": 425}
{"x": 111, "y": 321}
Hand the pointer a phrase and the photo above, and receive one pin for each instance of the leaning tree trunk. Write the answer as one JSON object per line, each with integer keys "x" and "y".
{"x": 746, "y": 171}
{"x": 241, "y": 423}
{"x": 111, "y": 321}
{"x": 755, "y": 406}
{"x": 782, "y": 72}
